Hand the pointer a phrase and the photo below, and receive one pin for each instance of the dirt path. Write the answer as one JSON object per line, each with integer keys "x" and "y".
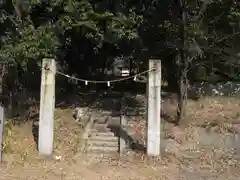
{"x": 86, "y": 169}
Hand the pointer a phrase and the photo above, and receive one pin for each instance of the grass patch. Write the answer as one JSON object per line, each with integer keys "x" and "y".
{"x": 19, "y": 144}
{"x": 7, "y": 134}
{"x": 213, "y": 111}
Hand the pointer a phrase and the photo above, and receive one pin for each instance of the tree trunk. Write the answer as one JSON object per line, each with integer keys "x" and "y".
{"x": 183, "y": 95}
{"x": 171, "y": 75}
{"x": 182, "y": 66}
{"x": 1, "y": 78}
{"x": 3, "y": 71}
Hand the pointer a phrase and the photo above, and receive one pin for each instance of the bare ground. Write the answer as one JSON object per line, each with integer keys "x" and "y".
{"x": 23, "y": 162}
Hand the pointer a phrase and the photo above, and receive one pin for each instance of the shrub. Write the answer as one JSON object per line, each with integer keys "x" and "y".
{"x": 7, "y": 136}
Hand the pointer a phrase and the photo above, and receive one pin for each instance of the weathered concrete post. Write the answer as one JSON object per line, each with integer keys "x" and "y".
{"x": 154, "y": 106}
{"x": 1, "y": 131}
{"x": 122, "y": 140}
{"x": 47, "y": 107}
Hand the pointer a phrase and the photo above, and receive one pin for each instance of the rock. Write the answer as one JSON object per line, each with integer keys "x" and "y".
{"x": 171, "y": 146}
{"x": 222, "y": 142}
{"x": 190, "y": 150}
{"x": 169, "y": 108}
{"x": 204, "y": 138}
{"x": 187, "y": 150}
{"x": 80, "y": 113}
{"x": 176, "y": 133}
{"x": 235, "y": 128}
{"x": 237, "y": 143}
{"x": 189, "y": 146}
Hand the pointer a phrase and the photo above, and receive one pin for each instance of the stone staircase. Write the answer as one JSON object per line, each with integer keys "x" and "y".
{"x": 101, "y": 141}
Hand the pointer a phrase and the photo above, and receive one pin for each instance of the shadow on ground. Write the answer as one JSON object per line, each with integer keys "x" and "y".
{"x": 35, "y": 130}
{"x": 131, "y": 143}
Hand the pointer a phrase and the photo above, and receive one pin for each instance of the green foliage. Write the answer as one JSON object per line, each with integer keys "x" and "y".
{"x": 31, "y": 35}
{"x": 31, "y": 44}
{"x": 7, "y": 135}
{"x": 33, "y": 29}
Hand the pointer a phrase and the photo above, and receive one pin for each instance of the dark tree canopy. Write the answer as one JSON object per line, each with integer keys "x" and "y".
{"x": 85, "y": 36}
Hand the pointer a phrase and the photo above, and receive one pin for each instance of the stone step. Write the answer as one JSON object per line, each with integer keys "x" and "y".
{"x": 103, "y": 155}
{"x": 102, "y": 120}
{"x": 114, "y": 118}
{"x": 101, "y": 130}
{"x": 103, "y": 138}
{"x": 94, "y": 142}
{"x": 102, "y": 149}
{"x": 101, "y": 127}
{"x": 114, "y": 121}
{"x": 95, "y": 132}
